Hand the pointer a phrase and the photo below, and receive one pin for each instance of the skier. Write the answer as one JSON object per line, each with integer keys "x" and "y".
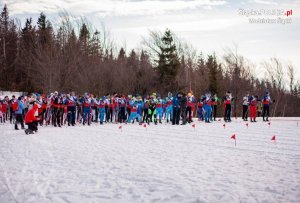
{"x": 133, "y": 114}
{"x": 19, "y": 113}
{"x": 190, "y": 106}
{"x": 31, "y": 120}
{"x": 227, "y": 102}
{"x": 253, "y": 106}
{"x": 152, "y": 109}
{"x": 87, "y": 109}
{"x": 183, "y": 103}
{"x": 214, "y": 105}
{"x": 101, "y": 109}
{"x": 169, "y": 107}
{"x": 176, "y": 109}
{"x": 1, "y": 112}
{"x": 71, "y": 109}
{"x": 266, "y": 106}
{"x": 13, "y": 104}
{"x": 5, "y": 109}
{"x": 146, "y": 109}
{"x": 200, "y": 108}
{"x": 79, "y": 109}
{"x": 55, "y": 101}
{"x": 122, "y": 107}
{"x": 245, "y": 107}
{"x": 159, "y": 108}
{"x": 207, "y": 107}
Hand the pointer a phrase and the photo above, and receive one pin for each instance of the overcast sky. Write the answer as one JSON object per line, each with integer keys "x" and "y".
{"x": 209, "y": 25}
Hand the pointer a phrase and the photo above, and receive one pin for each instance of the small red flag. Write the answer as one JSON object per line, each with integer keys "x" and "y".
{"x": 194, "y": 125}
{"x": 219, "y": 119}
{"x": 145, "y": 125}
{"x": 269, "y": 123}
{"x": 233, "y": 137}
{"x": 120, "y": 127}
{"x": 273, "y": 138}
{"x": 224, "y": 125}
{"x": 247, "y": 124}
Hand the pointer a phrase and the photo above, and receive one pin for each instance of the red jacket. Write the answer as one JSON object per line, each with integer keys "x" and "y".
{"x": 29, "y": 118}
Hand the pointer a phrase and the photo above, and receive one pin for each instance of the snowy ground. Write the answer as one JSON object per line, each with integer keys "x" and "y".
{"x": 161, "y": 163}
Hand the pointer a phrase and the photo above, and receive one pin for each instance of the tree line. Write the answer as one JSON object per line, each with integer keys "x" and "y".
{"x": 36, "y": 57}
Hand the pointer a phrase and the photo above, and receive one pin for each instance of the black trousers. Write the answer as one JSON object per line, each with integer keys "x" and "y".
{"x": 19, "y": 119}
{"x": 33, "y": 126}
{"x": 176, "y": 116}
{"x": 189, "y": 114}
{"x": 214, "y": 112}
{"x": 145, "y": 116}
{"x": 266, "y": 112}
{"x": 56, "y": 116}
{"x": 12, "y": 115}
{"x": 71, "y": 115}
{"x": 245, "y": 112}
{"x": 227, "y": 116}
{"x": 183, "y": 114}
{"x": 122, "y": 114}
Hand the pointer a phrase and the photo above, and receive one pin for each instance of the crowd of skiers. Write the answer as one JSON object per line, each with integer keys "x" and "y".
{"x": 61, "y": 109}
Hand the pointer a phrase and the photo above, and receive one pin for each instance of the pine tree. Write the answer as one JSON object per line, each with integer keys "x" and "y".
{"x": 212, "y": 67}
{"x": 168, "y": 63}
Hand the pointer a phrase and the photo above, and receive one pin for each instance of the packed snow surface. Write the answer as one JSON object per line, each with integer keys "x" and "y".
{"x": 162, "y": 163}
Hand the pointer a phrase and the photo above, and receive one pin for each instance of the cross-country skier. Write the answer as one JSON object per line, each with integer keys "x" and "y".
{"x": 227, "y": 102}
{"x": 245, "y": 107}
{"x": 133, "y": 114}
{"x": 101, "y": 109}
{"x": 71, "y": 108}
{"x": 190, "y": 106}
{"x": 169, "y": 107}
{"x": 253, "y": 108}
{"x": 207, "y": 107}
{"x": 159, "y": 108}
{"x": 214, "y": 105}
{"x": 31, "y": 120}
{"x": 266, "y": 106}
{"x": 19, "y": 114}
{"x": 176, "y": 109}
{"x": 87, "y": 109}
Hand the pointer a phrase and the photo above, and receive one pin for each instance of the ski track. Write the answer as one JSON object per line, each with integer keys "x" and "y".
{"x": 162, "y": 163}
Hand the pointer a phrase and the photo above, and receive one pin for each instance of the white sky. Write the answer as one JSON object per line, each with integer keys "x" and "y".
{"x": 209, "y": 25}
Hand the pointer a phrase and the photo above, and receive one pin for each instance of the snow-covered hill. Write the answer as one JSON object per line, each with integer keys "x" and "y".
{"x": 161, "y": 163}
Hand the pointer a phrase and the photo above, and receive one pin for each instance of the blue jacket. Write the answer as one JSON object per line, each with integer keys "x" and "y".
{"x": 20, "y": 107}
{"x": 175, "y": 102}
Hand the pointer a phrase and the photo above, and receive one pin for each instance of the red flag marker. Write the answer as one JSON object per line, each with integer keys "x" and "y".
{"x": 194, "y": 125}
{"x": 120, "y": 127}
{"x": 247, "y": 124}
{"x": 234, "y": 138}
{"x": 219, "y": 119}
{"x": 269, "y": 123}
{"x": 274, "y": 139}
{"x": 145, "y": 126}
{"x": 224, "y": 125}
